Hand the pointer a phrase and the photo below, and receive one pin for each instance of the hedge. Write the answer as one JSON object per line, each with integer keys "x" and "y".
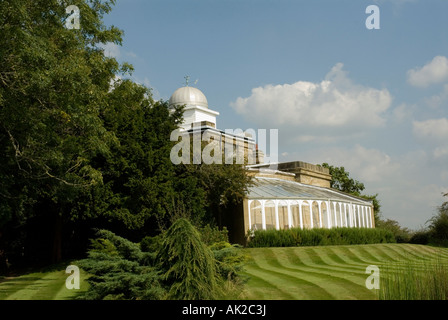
{"x": 318, "y": 237}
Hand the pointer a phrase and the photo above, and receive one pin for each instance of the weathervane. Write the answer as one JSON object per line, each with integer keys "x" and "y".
{"x": 187, "y": 79}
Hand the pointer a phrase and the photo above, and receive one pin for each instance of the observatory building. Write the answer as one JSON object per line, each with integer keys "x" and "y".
{"x": 285, "y": 195}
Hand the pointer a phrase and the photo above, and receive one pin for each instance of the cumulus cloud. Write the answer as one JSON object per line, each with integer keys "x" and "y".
{"x": 335, "y": 102}
{"x": 365, "y": 164}
{"x": 435, "y": 71}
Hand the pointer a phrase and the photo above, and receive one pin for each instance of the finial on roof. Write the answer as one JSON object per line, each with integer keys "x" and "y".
{"x": 187, "y": 78}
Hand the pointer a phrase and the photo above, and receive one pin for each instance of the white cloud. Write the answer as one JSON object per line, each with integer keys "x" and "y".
{"x": 437, "y": 100}
{"x": 364, "y": 164}
{"x": 435, "y": 71}
{"x": 403, "y": 112}
{"x": 111, "y": 50}
{"x": 432, "y": 130}
{"x": 335, "y": 103}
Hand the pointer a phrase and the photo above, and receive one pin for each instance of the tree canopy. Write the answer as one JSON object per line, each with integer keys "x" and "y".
{"x": 83, "y": 146}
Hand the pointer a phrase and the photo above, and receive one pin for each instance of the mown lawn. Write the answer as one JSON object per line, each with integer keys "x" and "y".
{"x": 292, "y": 273}
{"x": 43, "y": 285}
{"x": 328, "y": 272}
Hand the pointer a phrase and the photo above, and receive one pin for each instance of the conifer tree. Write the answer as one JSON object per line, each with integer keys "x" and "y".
{"x": 188, "y": 265}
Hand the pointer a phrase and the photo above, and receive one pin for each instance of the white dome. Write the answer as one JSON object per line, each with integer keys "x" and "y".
{"x": 189, "y": 96}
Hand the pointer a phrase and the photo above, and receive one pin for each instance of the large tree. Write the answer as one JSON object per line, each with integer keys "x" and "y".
{"x": 53, "y": 83}
{"x": 81, "y": 146}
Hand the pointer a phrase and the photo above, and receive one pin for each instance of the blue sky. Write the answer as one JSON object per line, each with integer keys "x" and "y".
{"x": 373, "y": 101}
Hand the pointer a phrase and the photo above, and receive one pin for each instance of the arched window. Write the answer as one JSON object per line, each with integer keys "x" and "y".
{"x": 255, "y": 215}
{"x": 345, "y": 215}
{"x": 283, "y": 215}
{"x": 306, "y": 215}
{"x": 295, "y": 214}
{"x": 269, "y": 211}
{"x": 334, "y": 214}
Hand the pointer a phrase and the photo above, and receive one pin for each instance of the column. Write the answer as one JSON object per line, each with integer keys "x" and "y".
{"x": 347, "y": 215}
{"x": 340, "y": 214}
{"x": 350, "y": 212}
{"x": 289, "y": 213}
{"x": 359, "y": 216}
{"x": 328, "y": 214}
{"x": 300, "y": 214}
{"x": 364, "y": 218}
{"x": 334, "y": 214}
{"x": 320, "y": 212}
{"x": 310, "y": 202}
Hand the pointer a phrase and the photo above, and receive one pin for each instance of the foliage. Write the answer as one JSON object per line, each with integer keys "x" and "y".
{"x": 213, "y": 235}
{"x": 438, "y": 228}
{"x": 221, "y": 184}
{"x": 318, "y": 237}
{"x": 53, "y": 83}
{"x": 401, "y": 234}
{"x": 120, "y": 270}
{"x": 340, "y": 180}
{"x": 84, "y": 147}
{"x": 176, "y": 264}
{"x": 436, "y": 233}
{"x": 187, "y": 264}
{"x": 230, "y": 259}
{"x": 137, "y": 173}
{"x": 420, "y": 236}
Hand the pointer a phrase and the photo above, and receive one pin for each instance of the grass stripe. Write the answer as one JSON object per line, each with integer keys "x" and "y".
{"x": 340, "y": 283}
{"x": 336, "y": 272}
{"x": 290, "y": 281}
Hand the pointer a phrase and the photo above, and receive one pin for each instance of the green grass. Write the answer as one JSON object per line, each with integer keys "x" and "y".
{"x": 331, "y": 272}
{"x": 426, "y": 279}
{"x": 291, "y": 273}
{"x": 42, "y": 285}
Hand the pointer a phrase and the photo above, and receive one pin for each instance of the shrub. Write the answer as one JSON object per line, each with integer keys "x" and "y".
{"x": 420, "y": 237}
{"x": 211, "y": 235}
{"x": 317, "y": 237}
{"x": 187, "y": 264}
{"x": 120, "y": 270}
{"x": 438, "y": 229}
{"x": 402, "y": 235}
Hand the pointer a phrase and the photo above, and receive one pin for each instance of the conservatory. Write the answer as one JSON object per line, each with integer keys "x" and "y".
{"x": 278, "y": 203}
